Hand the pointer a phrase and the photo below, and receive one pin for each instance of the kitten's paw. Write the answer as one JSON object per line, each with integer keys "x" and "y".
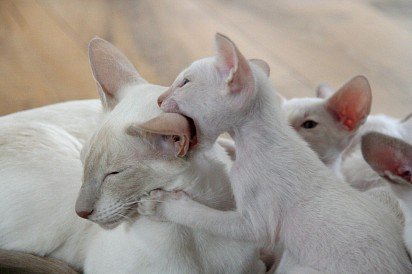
{"x": 149, "y": 204}
{"x": 179, "y": 195}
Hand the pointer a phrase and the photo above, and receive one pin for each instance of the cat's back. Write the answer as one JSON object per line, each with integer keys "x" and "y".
{"x": 40, "y": 176}
{"x": 352, "y": 233}
{"x": 78, "y": 118}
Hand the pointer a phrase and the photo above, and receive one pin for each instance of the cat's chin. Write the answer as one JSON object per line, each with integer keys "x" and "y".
{"x": 111, "y": 225}
{"x": 130, "y": 217}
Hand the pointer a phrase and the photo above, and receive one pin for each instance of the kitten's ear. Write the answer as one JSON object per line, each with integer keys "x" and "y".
{"x": 111, "y": 71}
{"x": 324, "y": 91}
{"x": 169, "y": 133}
{"x": 351, "y": 104}
{"x": 262, "y": 65}
{"x": 388, "y": 156}
{"x": 233, "y": 66}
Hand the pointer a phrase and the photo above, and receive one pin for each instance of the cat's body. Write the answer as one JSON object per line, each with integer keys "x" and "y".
{"x": 292, "y": 200}
{"x": 40, "y": 173}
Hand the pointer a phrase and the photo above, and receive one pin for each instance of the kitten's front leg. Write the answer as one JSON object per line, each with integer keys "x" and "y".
{"x": 178, "y": 207}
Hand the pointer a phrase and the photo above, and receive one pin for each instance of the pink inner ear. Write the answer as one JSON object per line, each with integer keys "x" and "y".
{"x": 175, "y": 126}
{"x": 351, "y": 104}
{"x": 388, "y": 154}
{"x": 231, "y": 64}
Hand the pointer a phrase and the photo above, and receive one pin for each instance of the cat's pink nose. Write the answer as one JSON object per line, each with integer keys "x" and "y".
{"x": 84, "y": 214}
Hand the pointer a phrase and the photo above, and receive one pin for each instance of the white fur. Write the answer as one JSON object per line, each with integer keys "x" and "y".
{"x": 391, "y": 158}
{"x": 354, "y": 168}
{"x": 293, "y": 199}
{"x": 41, "y": 174}
{"x": 151, "y": 247}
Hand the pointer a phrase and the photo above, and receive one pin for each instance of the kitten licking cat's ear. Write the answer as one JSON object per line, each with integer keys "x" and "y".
{"x": 293, "y": 201}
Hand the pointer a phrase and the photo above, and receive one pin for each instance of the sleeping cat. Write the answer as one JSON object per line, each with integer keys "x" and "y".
{"x": 293, "y": 199}
{"x": 47, "y": 155}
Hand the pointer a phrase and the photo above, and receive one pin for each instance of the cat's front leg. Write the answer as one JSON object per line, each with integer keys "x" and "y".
{"x": 178, "y": 207}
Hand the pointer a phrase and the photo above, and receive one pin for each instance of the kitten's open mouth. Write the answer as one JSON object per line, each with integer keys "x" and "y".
{"x": 193, "y": 131}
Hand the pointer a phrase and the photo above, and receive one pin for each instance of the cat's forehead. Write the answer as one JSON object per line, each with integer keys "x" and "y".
{"x": 138, "y": 104}
{"x": 201, "y": 67}
{"x": 298, "y": 107}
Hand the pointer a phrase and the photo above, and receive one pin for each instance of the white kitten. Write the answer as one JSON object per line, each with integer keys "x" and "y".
{"x": 292, "y": 199}
{"x": 391, "y": 158}
{"x": 328, "y": 123}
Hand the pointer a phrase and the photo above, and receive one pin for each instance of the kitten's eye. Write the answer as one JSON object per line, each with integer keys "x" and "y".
{"x": 309, "y": 124}
{"x": 185, "y": 81}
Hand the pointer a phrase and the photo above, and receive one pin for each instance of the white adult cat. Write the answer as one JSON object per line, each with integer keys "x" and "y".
{"x": 284, "y": 193}
{"x": 41, "y": 175}
{"x": 391, "y": 158}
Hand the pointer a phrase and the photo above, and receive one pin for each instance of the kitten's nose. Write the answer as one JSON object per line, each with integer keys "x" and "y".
{"x": 84, "y": 214}
{"x": 164, "y": 96}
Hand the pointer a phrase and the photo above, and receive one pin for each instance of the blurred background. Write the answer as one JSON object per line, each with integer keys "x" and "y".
{"x": 43, "y": 44}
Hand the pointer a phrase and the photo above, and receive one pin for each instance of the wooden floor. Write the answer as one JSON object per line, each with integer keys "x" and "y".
{"x": 43, "y": 57}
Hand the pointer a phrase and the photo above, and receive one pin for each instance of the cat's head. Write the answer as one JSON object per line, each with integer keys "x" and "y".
{"x": 391, "y": 158}
{"x": 213, "y": 91}
{"x": 137, "y": 148}
{"x": 329, "y": 122}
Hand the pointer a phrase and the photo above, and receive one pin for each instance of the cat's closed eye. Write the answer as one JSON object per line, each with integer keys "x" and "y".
{"x": 309, "y": 124}
{"x": 111, "y": 173}
{"x": 184, "y": 82}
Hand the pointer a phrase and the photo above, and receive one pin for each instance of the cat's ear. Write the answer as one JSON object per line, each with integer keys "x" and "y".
{"x": 233, "y": 66}
{"x": 262, "y": 65}
{"x": 282, "y": 99}
{"x": 388, "y": 156}
{"x": 407, "y": 119}
{"x": 351, "y": 104}
{"x": 324, "y": 91}
{"x": 111, "y": 71}
{"x": 170, "y": 133}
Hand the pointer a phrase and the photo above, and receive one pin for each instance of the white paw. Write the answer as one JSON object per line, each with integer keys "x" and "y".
{"x": 149, "y": 203}
{"x": 179, "y": 195}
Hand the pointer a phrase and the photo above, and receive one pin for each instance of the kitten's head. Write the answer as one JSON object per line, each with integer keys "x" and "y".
{"x": 391, "y": 158}
{"x": 329, "y": 122}
{"x": 137, "y": 148}
{"x": 213, "y": 91}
